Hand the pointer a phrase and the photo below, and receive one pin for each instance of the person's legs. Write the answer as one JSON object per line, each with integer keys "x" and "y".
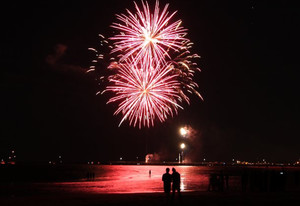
{"x": 179, "y": 194}
{"x": 167, "y": 191}
{"x": 178, "y": 190}
{"x": 173, "y": 192}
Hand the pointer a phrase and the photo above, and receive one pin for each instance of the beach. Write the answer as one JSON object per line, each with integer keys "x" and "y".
{"x": 25, "y": 195}
{"x": 133, "y": 185}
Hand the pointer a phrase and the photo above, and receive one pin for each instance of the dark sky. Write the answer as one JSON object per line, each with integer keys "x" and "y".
{"x": 249, "y": 82}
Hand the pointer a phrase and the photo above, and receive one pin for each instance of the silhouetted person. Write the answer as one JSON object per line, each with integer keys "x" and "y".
{"x": 297, "y": 178}
{"x": 265, "y": 180}
{"x": 167, "y": 179}
{"x": 176, "y": 182}
{"x": 150, "y": 173}
{"x": 88, "y": 176}
{"x": 244, "y": 180}
{"x": 273, "y": 181}
{"x": 227, "y": 181}
{"x": 282, "y": 180}
{"x": 213, "y": 181}
{"x": 221, "y": 182}
{"x": 210, "y": 180}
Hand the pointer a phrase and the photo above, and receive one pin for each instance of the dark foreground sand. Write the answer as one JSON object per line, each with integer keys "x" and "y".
{"x": 23, "y": 195}
{"x": 195, "y": 198}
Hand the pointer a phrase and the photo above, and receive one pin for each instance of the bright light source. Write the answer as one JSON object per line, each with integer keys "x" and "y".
{"x": 183, "y": 131}
{"x": 182, "y": 145}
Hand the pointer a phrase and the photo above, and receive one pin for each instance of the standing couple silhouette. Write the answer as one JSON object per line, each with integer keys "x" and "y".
{"x": 173, "y": 178}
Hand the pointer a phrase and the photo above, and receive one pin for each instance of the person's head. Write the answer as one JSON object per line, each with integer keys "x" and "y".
{"x": 173, "y": 169}
{"x": 168, "y": 170}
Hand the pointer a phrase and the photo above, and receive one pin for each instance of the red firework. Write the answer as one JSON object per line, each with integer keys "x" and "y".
{"x": 148, "y": 36}
{"x": 148, "y": 83}
{"x": 144, "y": 93}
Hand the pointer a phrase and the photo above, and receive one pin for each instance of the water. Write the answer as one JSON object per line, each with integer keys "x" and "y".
{"x": 136, "y": 179}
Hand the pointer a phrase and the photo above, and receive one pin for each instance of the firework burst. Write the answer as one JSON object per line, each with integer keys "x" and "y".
{"x": 152, "y": 69}
{"x": 148, "y": 37}
{"x": 145, "y": 93}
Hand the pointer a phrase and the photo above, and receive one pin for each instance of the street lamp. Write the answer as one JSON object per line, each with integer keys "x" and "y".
{"x": 184, "y": 133}
{"x": 182, "y": 146}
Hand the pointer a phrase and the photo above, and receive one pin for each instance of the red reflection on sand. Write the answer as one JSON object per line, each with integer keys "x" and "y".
{"x": 136, "y": 179}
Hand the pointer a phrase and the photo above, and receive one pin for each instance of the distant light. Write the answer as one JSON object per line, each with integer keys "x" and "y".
{"x": 183, "y": 131}
{"x": 121, "y": 158}
{"x": 59, "y": 157}
{"x": 182, "y": 145}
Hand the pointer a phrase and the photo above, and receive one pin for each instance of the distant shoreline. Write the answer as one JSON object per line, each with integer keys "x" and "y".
{"x": 205, "y": 164}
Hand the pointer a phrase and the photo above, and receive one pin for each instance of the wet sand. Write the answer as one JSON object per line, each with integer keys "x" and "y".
{"x": 25, "y": 191}
{"x": 189, "y": 198}
{"x": 35, "y": 196}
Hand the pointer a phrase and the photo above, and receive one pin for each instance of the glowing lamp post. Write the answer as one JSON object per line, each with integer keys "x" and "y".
{"x": 183, "y": 132}
{"x": 182, "y": 147}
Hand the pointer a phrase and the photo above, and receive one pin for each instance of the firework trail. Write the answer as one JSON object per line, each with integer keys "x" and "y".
{"x": 185, "y": 68}
{"x": 152, "y": 68}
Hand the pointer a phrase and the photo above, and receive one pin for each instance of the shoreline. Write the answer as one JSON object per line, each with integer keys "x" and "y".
{"x": 204, "y": 164}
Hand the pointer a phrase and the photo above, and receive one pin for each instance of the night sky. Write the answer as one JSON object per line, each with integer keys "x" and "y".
{"x": 249, "y": 82}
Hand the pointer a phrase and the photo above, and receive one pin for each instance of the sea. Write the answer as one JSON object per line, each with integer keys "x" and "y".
{"x": 110, "y": 179}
